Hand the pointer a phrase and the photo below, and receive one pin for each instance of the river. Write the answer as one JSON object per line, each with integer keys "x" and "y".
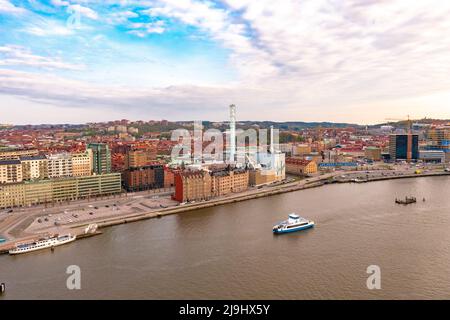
{"x": 229, "y": 252}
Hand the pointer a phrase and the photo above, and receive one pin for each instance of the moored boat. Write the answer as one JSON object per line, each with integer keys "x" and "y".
{"x": 406, "y": 201}
{"x": 41, "y": 244}
{"x": 294, "y": 223}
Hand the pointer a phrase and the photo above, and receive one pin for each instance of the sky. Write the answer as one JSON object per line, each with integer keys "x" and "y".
{"x": 359, "y": 61}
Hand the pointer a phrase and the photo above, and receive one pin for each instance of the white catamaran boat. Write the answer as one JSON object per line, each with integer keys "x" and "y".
{"x": 294, "y": 223}
{"x": 42, "y": 244}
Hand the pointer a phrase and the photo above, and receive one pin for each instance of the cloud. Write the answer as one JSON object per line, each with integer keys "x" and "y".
{"x": 46, "y": 28}
{"x": 60, "y": 3}
{"x": 84, "y": 11}
{"x": 21, "y": 57}
{"x": 295, "y": 57}
{"x": 121, "y": 17}
{"x": 143, "y": 29}
{"x": 7, "y": 7}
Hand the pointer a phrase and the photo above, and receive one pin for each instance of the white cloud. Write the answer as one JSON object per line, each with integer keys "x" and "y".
{"x": 328, "y": 53}
{"x": 84, "y": 11}
{"x": 7, "y": 7}
{"x": 45, "y": 28}
{"x": 143, "y": 29}
{"x": 121, "y": 17}
{"x": 60, "y": 3}
{"x": 318, "y": 57}
{"x": 21, "y": 57}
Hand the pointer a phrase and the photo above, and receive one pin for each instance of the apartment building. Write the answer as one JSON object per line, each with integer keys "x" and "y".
{"x": 82, "y": 163}
{"x": 29, "y": 193}
{"x": 261, "y": 177}
{"x": 16, "y": 154}
{"x": 60, "y": 165}
{"x": 143, "y": 178}
{"x": 35, "y": 167}
{"x": 140, "y": 157}
{"x": 10, "y": 171}
{"x": 193, "y": 186}
{"x": 228, "y": 181}
{"x": 300, "y": 166}
{"x": 12, "y": 195}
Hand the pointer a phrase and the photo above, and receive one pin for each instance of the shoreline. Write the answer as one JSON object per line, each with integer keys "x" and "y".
{"x": 77, "y": 229}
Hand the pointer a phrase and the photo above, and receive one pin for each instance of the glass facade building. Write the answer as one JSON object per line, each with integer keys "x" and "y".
{"x": 404, "y": 147}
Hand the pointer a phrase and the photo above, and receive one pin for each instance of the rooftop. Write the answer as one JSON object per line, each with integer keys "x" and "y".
{"x": 8, "y": 162}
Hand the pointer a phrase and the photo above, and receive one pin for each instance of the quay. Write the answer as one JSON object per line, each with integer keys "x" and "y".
{"x": 79, "y": 232}
{"x": 102, "y": 222}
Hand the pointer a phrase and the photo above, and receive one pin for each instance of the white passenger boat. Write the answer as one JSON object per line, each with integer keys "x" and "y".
{"x": 42, "y": 244}
{"x": 294, "y": 223}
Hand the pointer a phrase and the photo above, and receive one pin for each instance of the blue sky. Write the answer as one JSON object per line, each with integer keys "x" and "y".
{"x": 91, "y": 60}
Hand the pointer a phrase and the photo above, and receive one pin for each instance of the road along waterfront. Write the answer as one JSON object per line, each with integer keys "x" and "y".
{"x": 229, "y": 251}
{"x": 29, "y": 226}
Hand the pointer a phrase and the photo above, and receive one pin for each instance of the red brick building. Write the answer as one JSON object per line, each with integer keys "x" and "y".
{"x": 192, "y": 186}
{"x": 143, "y": 178}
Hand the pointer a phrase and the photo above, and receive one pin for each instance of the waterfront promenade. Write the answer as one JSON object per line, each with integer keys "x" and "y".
{"x": 24, "y": 224}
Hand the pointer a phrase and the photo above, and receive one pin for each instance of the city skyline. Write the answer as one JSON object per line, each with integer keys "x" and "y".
{"x": 80, "y": 61}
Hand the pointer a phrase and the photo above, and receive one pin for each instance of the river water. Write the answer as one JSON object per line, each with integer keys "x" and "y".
{"x": 229, "y": 252}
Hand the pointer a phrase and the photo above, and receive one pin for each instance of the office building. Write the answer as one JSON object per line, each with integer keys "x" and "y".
{"x": 404, "y": 147}
{"x": 435, "y": 156}
{"x": 101, "y": 157}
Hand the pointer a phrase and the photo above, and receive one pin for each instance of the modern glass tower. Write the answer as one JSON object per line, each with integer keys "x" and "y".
{"x": 101, "y": 156}
{"x": 404, "y": 147}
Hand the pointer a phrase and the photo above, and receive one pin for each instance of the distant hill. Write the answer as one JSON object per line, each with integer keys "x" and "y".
{"x": 291, "y": 125}
{"x": 404, "y": 123}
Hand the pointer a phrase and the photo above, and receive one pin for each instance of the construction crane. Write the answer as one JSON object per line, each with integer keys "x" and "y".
{"x": 408, "y": 122}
